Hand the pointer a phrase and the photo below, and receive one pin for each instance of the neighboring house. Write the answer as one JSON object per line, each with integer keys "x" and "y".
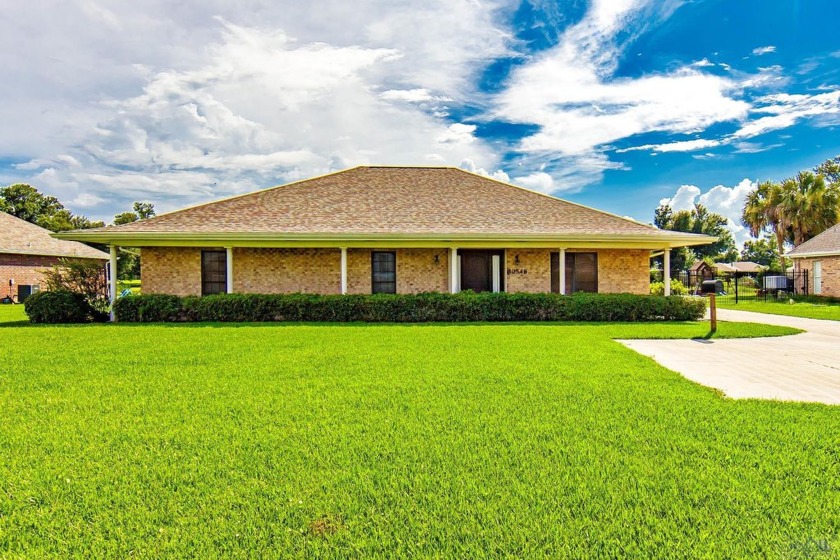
{"x": 26, "y": 250}
{"x": 820, "y": 257}
{"x": 391, "y": 229}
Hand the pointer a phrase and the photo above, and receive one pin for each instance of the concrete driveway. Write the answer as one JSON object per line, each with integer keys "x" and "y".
{"x": 803, "y": 367}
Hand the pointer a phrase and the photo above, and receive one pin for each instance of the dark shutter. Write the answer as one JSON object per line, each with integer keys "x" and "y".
{"x": 383, "y": 272}
{"x": 213, "y": 272}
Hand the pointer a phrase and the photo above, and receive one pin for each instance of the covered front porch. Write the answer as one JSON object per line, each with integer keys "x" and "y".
{"x": 181, "y": 270}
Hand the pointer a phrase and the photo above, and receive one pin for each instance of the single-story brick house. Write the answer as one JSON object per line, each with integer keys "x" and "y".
{"x": 820, "y": 256}
{"x": 391, "y": 229}
{"x": 26, "y": 250}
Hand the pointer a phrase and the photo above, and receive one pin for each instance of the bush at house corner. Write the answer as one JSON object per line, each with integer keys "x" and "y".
{"x": 415, "y": 308}
{"x": 60, "y": 307}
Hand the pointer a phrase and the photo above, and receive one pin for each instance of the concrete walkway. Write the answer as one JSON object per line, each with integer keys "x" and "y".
{"x": 803, "y": 367}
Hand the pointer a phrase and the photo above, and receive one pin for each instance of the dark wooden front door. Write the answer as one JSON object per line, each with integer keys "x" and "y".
{"x": 477, "y": 270}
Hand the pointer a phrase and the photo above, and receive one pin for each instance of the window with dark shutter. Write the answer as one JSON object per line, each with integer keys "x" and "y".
{"x": 581, "y": 272}
{"x": 213, "y": 272}
{"x": 384, "y": 272}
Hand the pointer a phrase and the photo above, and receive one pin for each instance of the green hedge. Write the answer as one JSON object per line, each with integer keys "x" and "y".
{"x": 419, "y": 308}
{"x": 60, "y": 307}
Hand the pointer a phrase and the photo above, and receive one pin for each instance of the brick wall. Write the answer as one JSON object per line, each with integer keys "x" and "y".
{"x": 416, "y": 270}
{"x": 537, "y": 263}
{"x": 24, "y": 270}
{"x": 171, "y": 270}
{"x": 286, "y": 271}
{"x": 177, "y": 270}
{"x": 624, "y": 271}
{"x": 830, "y": 282}
{"x": 619, "y": 270}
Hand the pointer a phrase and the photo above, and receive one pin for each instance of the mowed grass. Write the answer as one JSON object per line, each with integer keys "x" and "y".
{"x": 783, "y": 307}
{"x": 442, "y": 441}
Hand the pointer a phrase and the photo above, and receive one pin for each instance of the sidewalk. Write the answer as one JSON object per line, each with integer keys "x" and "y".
{"x": 803, "y": 367}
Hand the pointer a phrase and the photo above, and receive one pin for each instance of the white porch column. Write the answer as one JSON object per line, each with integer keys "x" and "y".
{"x": 666, "y": 270}
{"x": 229, "y": 269}
{"x": 112, "y": 284}
{"x": 453, "y": 270}
{"x": 562, "y": 270}
{"x": 344, "y": 270}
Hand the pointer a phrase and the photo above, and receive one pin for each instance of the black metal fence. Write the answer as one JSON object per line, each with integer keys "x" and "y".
{"x": 745, "y": 286}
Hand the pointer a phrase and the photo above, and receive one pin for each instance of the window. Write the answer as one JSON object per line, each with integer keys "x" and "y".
{"x": 384, "y": 272}
{"x": 213, "y": 272}
{"x": 581, "y": 272}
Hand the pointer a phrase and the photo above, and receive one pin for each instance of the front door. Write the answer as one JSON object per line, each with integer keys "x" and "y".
{"x": 478, "y": 269}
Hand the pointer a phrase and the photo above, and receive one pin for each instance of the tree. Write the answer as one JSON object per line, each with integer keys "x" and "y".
{"x": 128, "y": 261}
{"x": 830, "y": 169}
{"x": 762, "y": 214}
{"x": 697, "y": 220}
{"x": 762, "y": 251}
{"x": 809, "y": 206}
{"x": 27, "y": 203}
{"x": 794, "y": 210}
{"x": 142, "y": 211}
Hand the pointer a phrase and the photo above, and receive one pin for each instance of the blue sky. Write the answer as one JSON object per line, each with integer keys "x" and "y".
{"x": 617, "y": 104}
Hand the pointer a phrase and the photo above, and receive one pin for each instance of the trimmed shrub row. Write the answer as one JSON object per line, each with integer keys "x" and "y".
{"x": 419, "y": 308}
{"x": 61, "y": 307}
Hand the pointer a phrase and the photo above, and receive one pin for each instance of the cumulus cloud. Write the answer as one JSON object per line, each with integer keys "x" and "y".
{"x": 720, "y": 199}
{"x": 190, "y": 107}
{"x": 499, "y": 175}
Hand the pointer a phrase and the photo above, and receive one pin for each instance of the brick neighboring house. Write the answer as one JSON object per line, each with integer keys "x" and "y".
{"x": 820, "y": 256}
{"x": 26, "y": 250}
{"x": 391, "y": 229}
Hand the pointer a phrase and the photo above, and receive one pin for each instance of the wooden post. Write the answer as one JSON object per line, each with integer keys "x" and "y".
{"x": 713, "y": 312}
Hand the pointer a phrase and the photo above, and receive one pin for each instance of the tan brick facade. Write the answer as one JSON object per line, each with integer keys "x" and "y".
{"x": 178, "y": 270}
{"x": 417, "y": 270}
{"x": 287, "y": 271}
{"x": 531, "y": 274}
{"x": 25, "y": 270}
{"x": 830, "y": 282}
{"x": 171, "y": 270}
{"x": 623, "y": 271}
{"x": 619, "y": 270}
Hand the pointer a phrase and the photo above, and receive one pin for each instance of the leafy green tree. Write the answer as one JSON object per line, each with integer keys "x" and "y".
{"x": 697, "y": 220}
{"x": 830, "y": 169}
{"x": 27, "y": 203}
{"x": 128, "y": 260}
{"x": 762, "y": 251}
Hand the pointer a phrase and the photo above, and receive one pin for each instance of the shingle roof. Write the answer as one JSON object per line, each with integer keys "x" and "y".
{"x": 826, "y": 243}
{"x": 23, "y": 238}
{"x": 394, "y": 201}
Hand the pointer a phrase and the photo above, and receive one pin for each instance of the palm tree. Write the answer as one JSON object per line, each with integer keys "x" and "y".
{"x": 809, "y": 205}
{"x": 762, "y": 213}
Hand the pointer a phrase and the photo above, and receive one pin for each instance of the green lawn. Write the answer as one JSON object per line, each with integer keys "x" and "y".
{"x": 798, "y": 309}
{"x": 444, "y": 441}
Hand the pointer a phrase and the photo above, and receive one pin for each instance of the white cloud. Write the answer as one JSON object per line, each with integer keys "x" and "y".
{"x": 683, "y": 146}
{"x": 470, "y": 166}
{"x": 726, "y": 201}
{"x": 785, "y": 110}
{"x": 703, "y": 63}
{"x": 538, "y": 181}
{"x": 758, "y": 51}
{"x": 212, "y": 99}
{"x": 580, "y": 107}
